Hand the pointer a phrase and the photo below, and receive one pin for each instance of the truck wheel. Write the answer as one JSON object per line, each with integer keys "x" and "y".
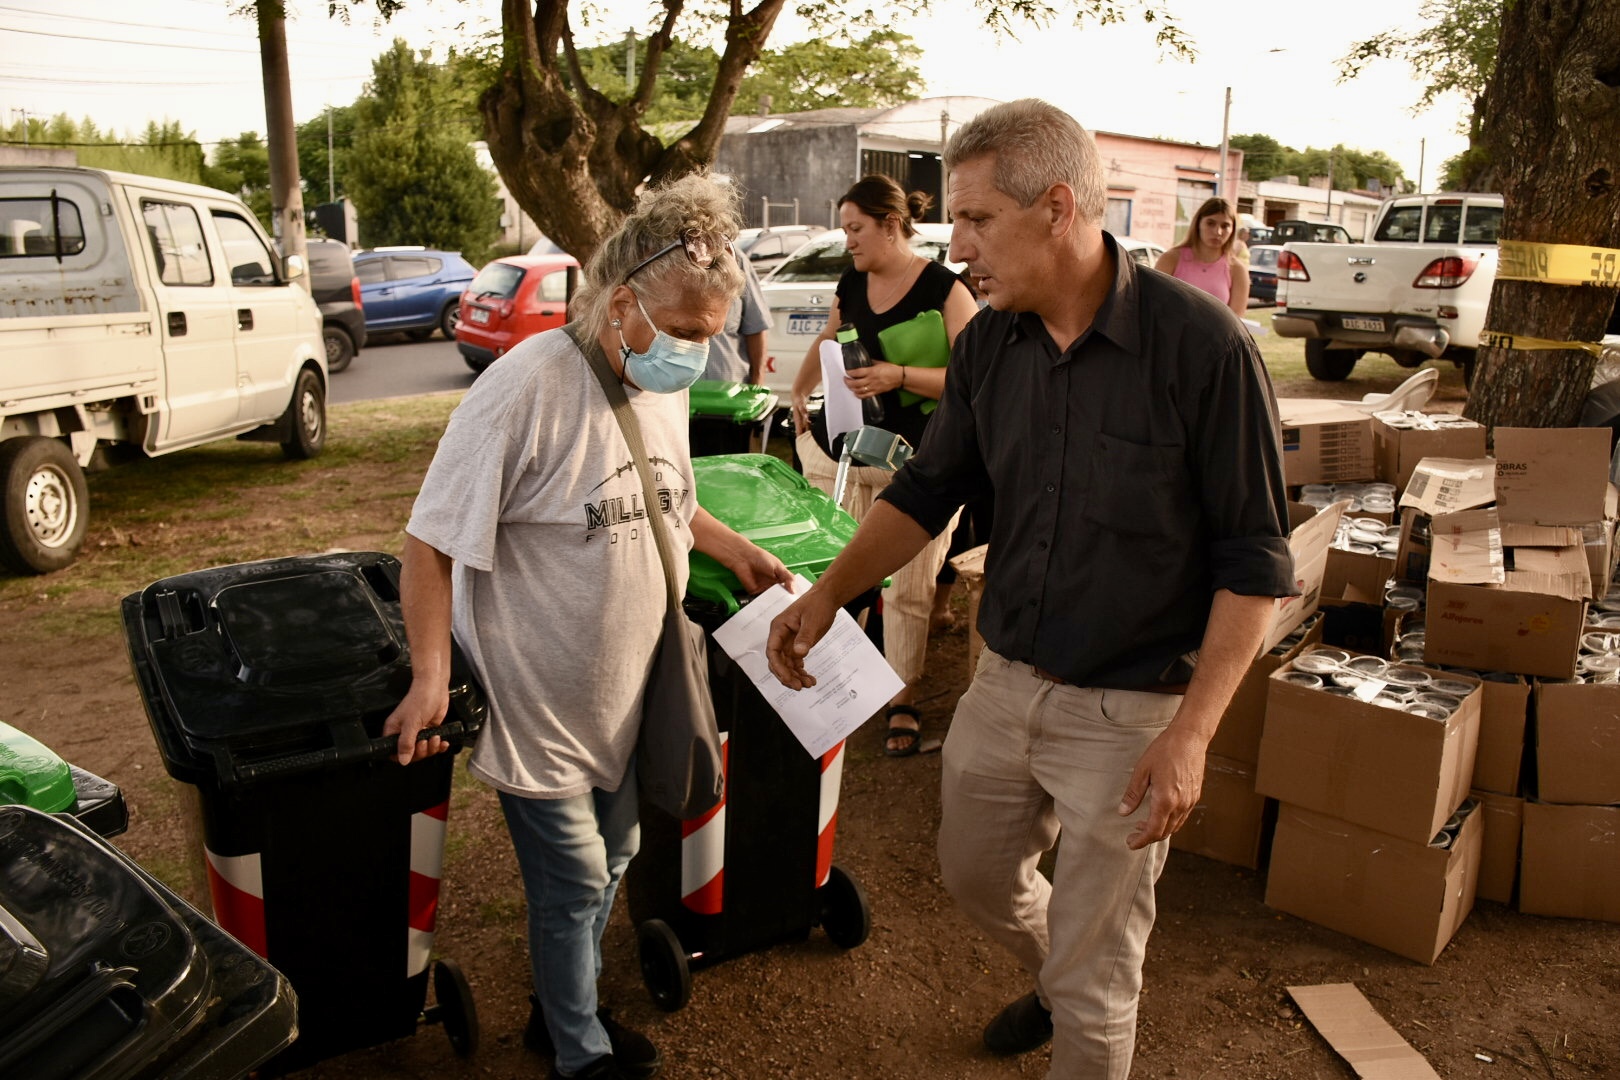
{"x": 47, "y": 506}
{"x": 1329, "y": 365}
{"x": 305, "y": 418}
{"x": 448, "y": 318}
{"x": 339, "y": 349}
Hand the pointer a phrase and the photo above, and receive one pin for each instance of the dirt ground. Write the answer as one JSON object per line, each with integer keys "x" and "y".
{"x": 1512, "y": 996}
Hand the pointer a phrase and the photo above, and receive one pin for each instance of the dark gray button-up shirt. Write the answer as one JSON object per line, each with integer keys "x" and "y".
{"x": 1133, "y": 473}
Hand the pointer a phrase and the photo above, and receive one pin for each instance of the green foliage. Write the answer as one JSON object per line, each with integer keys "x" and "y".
{"x": 1455, "y": 50}
{"x": 1264, "y": 157}
{"x": 165, "y": 149}
{"x": 312, "y": 155}
{"x": 412, "y": 173}
{"x": 242, "y": 167}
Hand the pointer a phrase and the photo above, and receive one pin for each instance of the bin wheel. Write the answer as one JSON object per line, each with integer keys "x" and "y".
{"x": 845, "y": 914}
{"x": 663, "y": 965}
{"x": 456, "y": 1009}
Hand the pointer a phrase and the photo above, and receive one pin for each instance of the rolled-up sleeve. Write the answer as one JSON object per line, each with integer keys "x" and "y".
{"x": 1244, "y": 498}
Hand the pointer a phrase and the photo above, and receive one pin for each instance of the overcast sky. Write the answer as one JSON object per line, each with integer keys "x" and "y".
{"x": 123, "y": 64}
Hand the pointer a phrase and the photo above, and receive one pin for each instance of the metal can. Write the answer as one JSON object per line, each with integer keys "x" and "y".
{"x": 1367, "y": 666}
{"x": 1427, "y": 711}
{"x": 1444, "y": 702}
{"x": 1457, "y": 688}
{"x": 1301, "y": 678}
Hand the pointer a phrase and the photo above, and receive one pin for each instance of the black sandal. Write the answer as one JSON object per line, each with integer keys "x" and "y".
{"x": 898, "y": 731}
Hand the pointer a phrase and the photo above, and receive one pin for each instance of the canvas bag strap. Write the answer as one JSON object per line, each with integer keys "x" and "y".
{"x": 631, "y": 427}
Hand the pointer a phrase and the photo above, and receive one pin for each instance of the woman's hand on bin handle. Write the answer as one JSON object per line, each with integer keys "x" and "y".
{"x": 422, "y": 707}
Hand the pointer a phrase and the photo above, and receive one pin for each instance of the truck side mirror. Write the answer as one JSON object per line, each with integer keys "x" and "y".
{"x": 293, "y": 267}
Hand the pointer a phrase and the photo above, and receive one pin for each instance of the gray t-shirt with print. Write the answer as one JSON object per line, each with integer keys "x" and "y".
{"x": 558, "y": 590}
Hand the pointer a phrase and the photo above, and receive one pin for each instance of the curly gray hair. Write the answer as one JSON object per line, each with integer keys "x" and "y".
{"x": 695, "y": 208}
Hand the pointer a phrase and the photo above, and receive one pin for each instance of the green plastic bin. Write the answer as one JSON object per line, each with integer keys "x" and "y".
{"x": 766, "y": 501}
{"x": 31, "y": 774}
{"x": 724, "y": 413}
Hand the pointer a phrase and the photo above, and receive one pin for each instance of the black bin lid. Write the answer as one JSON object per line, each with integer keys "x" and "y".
{"x": 263, "y": 664}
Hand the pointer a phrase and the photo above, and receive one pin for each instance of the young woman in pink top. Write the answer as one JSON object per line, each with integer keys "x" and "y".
{"x": 1204, "y": 259}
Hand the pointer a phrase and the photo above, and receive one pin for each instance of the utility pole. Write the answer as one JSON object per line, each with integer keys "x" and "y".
{"x": 1423, "y": 147}
{"x": 331, "y": 183}
{"x": 1226, "y": 142}
{"x": 1331, "y": 153}
{"x": 286, "y": 199}
{"x": 25, "y": 114}
{"x": 630, "y": 59}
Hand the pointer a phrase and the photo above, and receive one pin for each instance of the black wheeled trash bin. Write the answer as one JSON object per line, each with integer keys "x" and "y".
{"x": 724, "y": 416}
{"x": 267, "y": 685}
{"x": 757, "y": 870}
{"x": 107, "y": 975}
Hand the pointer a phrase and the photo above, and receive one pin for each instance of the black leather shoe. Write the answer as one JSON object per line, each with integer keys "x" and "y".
{"x": 1023, "y": 1026}
{"x": 603, "y": 1068}
{"x": 633, "y": 1053}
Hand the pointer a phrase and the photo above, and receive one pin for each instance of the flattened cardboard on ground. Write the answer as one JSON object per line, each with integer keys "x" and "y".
{"x": 1503, "y": 816}
{"x": 1397, "y": 451}
{"x": 1503, "y": 711}
{"x": 1347, "y": 1020}
{"x": 1325, "y": 442}
{"x": 1578, "y": 743}
{"x": 1552, "y": 476}
{"x": 1481, "y": 614}
{"x": 1229, "y": 822}
{"x": 1386, "y": 769}
{"x": 1310, "y": 534}
{"x": 1571, "y": 861}
{"x": 1238, "y": 736}
{"x": 1406, "y": 897}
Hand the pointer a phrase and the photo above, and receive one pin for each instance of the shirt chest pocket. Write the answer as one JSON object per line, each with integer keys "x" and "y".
{"x": 1139, "y": 490}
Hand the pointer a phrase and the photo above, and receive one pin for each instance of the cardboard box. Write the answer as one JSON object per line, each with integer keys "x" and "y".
{"x": 1552, "y": 476}
{"x": 1571, "y": 861}
{"x": 1503, "y": 711}
{"x": 1352, "y": 575}
{"x": 1230, "y": 822}
{"x": 1386, "y": 769}
{"x": 1310, "y": 534}
{"x": 1484, "y": 615}
{"x": 1347, "y": 1020}
{"x": 1325, "y": 442}
{"x": 1397, "y": 451}
{"x": 1578, "y": 743}
{"x": 1400, "y": 895}
{"x": 970, "y": 571}
{"x": 1238, "y": 736}
{"x": 1499, "y": 850}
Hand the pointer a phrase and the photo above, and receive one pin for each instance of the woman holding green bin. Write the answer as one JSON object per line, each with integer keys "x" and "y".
{"x": 907, "y": 312}
{"x": 531, "y": 538}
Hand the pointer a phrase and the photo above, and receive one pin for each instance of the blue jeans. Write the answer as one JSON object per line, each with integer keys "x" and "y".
{"x": 572, "y": 853}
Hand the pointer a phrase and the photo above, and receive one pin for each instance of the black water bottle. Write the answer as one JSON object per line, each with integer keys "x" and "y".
{"x": 856, "y": 356}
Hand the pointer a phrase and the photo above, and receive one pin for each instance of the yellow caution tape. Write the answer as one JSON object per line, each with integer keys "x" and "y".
{"x": 1495, "y": 339}
{"x": 1559, "y": 264}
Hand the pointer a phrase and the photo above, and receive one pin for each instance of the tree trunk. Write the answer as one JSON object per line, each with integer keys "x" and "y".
{"x": 574, "y": 160}
{"x": 1552, "y": 130}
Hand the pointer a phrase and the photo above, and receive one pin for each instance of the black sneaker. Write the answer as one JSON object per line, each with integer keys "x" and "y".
{"x": 633, "y": 1053}
{"x": 603, "y": 1068}
{"x": 1023, "y": 1026}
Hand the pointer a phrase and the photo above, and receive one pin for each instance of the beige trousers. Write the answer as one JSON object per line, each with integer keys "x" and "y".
{"x": 909, "y": 599}
{"x": 1024, "y": 759}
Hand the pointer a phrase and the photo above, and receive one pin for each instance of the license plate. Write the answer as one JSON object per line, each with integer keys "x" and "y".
{"x": 478, "y": 315}
{"x": 806, "y": 322}
{"x": 1374, "y": 324}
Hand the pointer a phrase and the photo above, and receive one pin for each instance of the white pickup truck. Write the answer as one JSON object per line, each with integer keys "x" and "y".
{"x": 1417, "y": 291}
{"x": 138, "y": 316}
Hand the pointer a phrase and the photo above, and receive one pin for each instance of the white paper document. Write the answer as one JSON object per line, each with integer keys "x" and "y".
{"x": 842, "y": 407}
{"x": 853, "y": 681}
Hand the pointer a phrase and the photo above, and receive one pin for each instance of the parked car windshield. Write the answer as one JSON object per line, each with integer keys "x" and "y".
{"x": 827, "y": 260}
{"x": 499, "y": 280}
{"x": 1263, "y": 256}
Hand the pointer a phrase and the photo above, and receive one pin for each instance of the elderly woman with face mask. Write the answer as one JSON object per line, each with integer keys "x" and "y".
{"x": 529, "y": 540}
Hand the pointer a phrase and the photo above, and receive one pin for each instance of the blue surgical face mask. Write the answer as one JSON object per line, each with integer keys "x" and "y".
{"x": 669, "y": 365}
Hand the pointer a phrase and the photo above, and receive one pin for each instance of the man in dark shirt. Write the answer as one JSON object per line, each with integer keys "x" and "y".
{"x": 1125, "y": 425}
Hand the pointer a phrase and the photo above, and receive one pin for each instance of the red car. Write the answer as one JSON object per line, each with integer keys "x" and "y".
{"x": 511, "y": 299}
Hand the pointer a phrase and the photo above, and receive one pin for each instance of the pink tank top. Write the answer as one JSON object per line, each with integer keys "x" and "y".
{"x": 1214, "y": 278}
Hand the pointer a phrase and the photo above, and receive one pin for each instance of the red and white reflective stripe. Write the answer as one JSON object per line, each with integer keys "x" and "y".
{"x": 832, "y": 778}
{"x": 427, "y": 867}
{"x": 236, "y": 884}
{"x": 703, "y": 853}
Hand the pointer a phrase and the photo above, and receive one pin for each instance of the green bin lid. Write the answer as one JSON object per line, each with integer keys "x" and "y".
{"x": 31, "y": 775}
{"x": 766, "y": 501}
{"x": 741, "y": 403}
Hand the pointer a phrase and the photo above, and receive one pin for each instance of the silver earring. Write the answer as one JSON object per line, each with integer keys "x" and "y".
{"x": 616, "y": 324}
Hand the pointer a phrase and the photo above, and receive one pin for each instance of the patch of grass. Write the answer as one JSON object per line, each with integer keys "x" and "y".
{"x": 501, "y": 911}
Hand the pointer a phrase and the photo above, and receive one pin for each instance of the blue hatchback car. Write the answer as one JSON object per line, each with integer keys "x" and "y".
{"x": 412, "y": 289}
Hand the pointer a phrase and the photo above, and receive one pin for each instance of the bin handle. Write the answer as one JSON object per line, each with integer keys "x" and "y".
{"x": 383, "y": 746}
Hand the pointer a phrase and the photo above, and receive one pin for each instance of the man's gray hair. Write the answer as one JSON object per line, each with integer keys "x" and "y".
{"x": 1035, "y": 145}
{"x": 694, "y": 206}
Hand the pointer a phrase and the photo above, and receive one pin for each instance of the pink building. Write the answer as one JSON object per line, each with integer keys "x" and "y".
{"x": 1155, "y": 187}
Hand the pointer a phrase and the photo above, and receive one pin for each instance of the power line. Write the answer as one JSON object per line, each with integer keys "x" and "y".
{"x": 310, "y": 42}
